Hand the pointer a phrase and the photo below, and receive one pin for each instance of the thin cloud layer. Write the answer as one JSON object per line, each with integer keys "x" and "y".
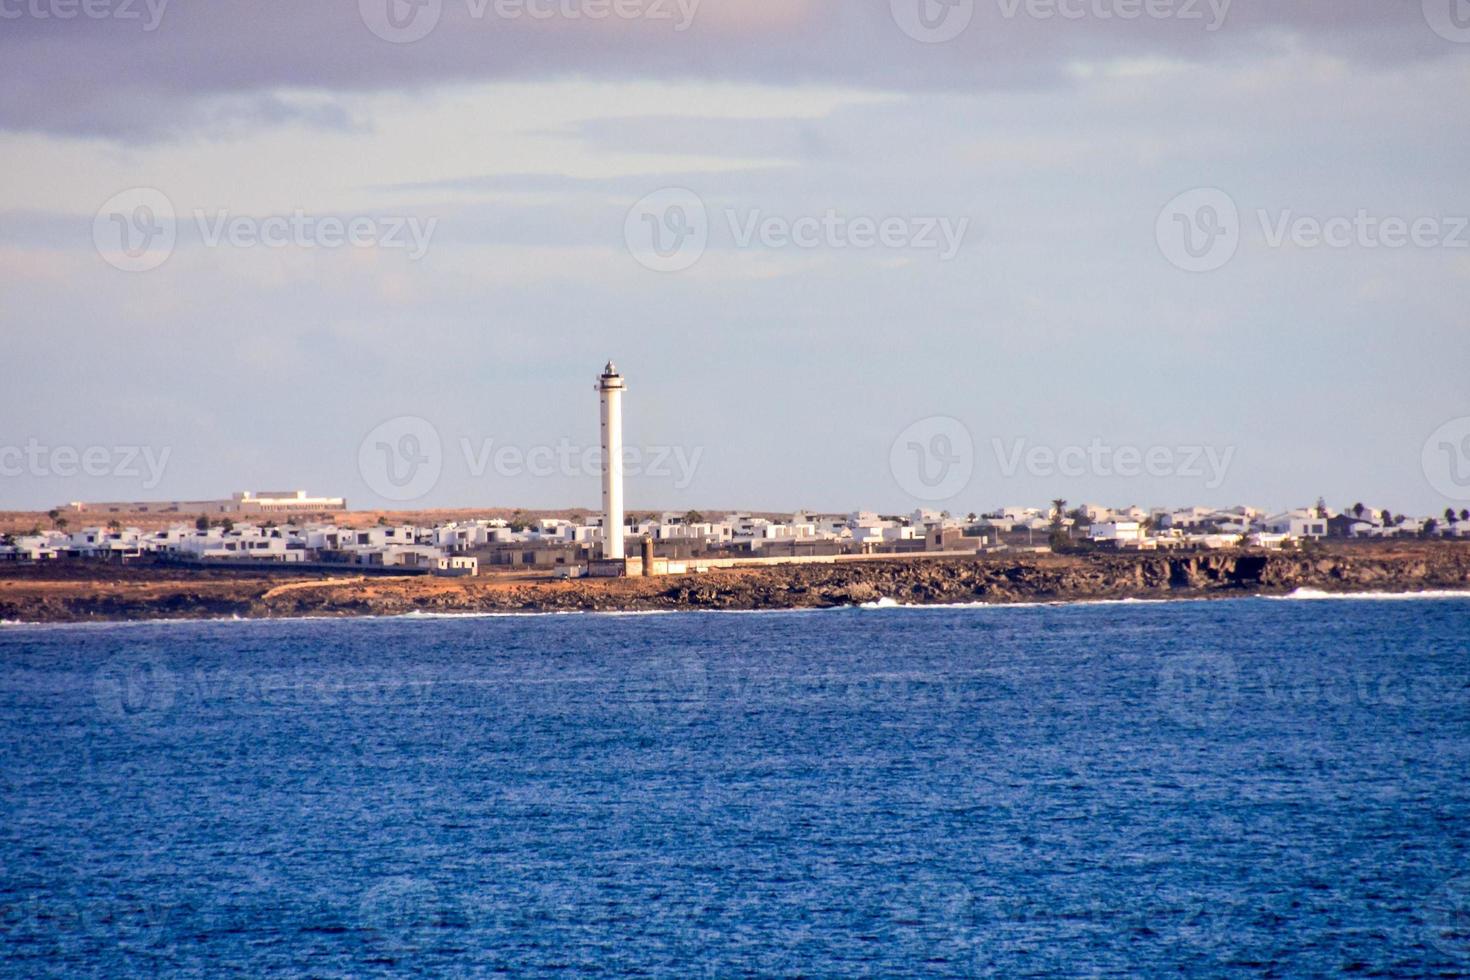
{"x": 150, "y": 69}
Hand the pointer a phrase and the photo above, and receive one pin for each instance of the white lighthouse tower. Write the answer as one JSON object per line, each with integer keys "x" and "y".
{"x": 611, "y": 388}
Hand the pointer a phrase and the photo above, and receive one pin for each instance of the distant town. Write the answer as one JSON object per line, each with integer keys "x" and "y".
{"x": 302, "y": 531}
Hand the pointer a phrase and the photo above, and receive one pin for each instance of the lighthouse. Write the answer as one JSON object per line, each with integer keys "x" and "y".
{"x": 610, "y": 386}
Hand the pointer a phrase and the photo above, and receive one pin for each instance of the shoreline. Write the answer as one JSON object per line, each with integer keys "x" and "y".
{"x": 1300, "y": 595}
{"x": 132, "y": 594}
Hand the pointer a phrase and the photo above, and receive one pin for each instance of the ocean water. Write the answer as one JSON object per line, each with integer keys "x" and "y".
{"x": 1244, "y": 787}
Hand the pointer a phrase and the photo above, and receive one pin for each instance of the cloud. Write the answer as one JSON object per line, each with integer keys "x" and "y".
{"x": 215, "y": 65}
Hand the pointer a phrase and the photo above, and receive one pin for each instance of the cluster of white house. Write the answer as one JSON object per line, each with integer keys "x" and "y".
{"x": 1204, "y": 527}
{"x": 460, "y": 548}
{"x": 401, "y": 546}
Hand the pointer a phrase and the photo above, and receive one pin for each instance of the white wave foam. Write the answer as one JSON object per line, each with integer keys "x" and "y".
{"x": 1035, "y": 604}
{"x": 1304, "y": 595}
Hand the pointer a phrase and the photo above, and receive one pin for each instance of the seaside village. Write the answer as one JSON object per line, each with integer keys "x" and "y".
{"x": 296, "y": 529}
{"x": 274, "y": 528}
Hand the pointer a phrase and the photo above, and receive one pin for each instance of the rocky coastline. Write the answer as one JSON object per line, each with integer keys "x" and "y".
{"x": 137, "y": 594}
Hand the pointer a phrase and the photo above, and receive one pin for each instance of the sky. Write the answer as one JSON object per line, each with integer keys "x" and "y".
{"x": 848, "y": 254}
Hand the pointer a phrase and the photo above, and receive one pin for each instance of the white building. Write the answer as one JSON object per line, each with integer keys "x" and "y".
{"x": 1298, "y": 524}
{"x": 1117, "y": 531}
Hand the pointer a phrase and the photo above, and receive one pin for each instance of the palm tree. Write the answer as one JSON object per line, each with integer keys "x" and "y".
{"x": 1465, "y": 514}
{"x": 61, "y": 523}
{"x": 1359, "y": 510}
{"x": 1058, "y": 536}
{"x": 1449, "y": 515}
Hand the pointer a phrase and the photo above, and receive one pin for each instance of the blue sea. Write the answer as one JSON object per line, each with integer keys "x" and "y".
{"x": 1249, "y": 787}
